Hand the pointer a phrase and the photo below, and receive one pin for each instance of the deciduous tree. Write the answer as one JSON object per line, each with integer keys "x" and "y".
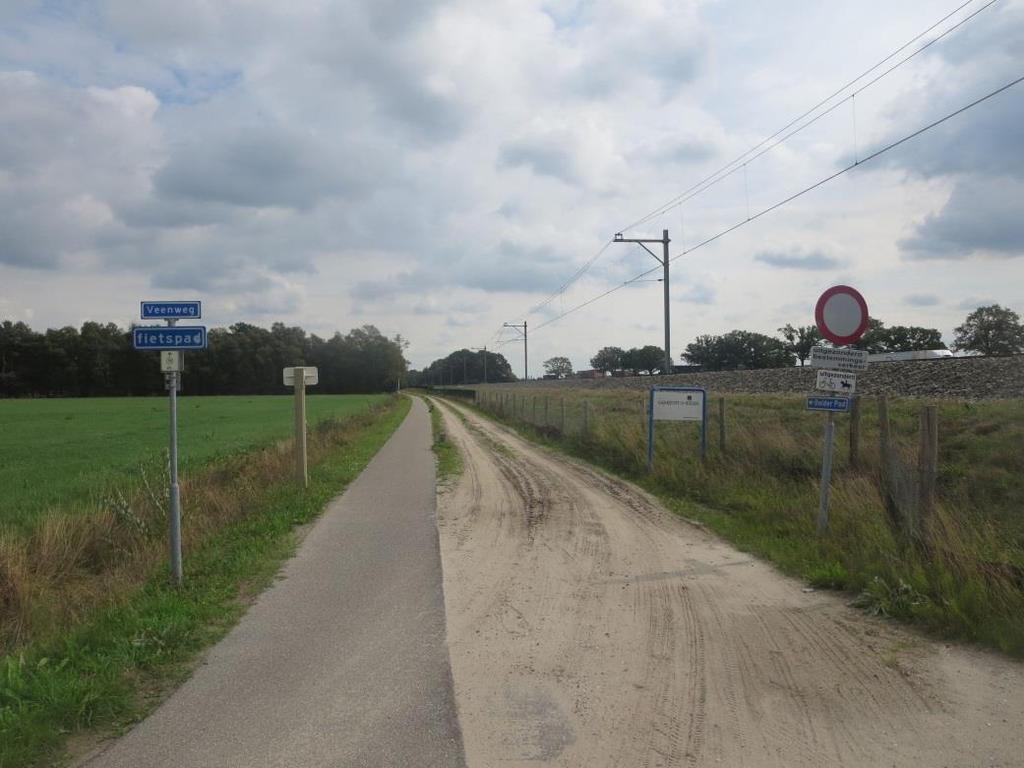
{"x": 644, "y": 360}
{"x": 558, "y": 366}
{"x": 991, "y": 330}
{"x": 738, "y": 350}
{"x": 608, "y": 359}
{"x": 800, "y": 339}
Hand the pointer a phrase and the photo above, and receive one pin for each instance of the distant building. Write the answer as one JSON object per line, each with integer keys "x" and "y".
{"x": 590, "y": 374}
{"x": 921, "y": 354}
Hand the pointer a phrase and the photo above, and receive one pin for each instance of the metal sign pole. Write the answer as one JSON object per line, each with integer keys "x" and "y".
{"x": 171, "y": 343}
{"x": 826, "y": 472}
{"x": 174, "y": 522}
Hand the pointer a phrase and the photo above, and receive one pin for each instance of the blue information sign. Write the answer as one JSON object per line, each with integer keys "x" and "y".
{"x": 834, "y": 404}
{"x": 171, "y": 337}
{"x": 172, "y": 310}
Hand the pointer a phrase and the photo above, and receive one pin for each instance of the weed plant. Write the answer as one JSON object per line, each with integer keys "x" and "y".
{"x": 449, "y": 461}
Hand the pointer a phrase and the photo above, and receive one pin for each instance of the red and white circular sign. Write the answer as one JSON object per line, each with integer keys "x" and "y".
{"x": 841, "y": 314}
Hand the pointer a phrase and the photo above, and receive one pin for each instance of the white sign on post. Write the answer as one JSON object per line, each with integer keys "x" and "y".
{"x": 840, "y": 359}
{"x": 310, "y": 376}
{"x": 307, "y": 375}
{"x": 836, "y": 381}
{"x": 172, "y": 361}
{"x": 678, "y": 406}
{"x": 841, "y": 315}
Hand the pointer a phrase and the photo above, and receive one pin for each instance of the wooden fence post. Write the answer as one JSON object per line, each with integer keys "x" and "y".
{"x": 562, "y": 428}
{"x": 534, "y": 420}
{"x": 721, "y": 424}
{"x": 855, "y": 433}
{"x": 927, "y": 467}
{"x": 546, "y": 400}
{"x": 885, "y": 470}
{"x": 586, "y": 417}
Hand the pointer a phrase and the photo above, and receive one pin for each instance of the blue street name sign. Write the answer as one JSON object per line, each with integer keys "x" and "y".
{"x": 172, "y": 310}
{"x": 172, "y": 337}
{"x": 834, "y": 404}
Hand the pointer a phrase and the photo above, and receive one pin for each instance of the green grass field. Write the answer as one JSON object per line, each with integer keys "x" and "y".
{"x": 68, "y": 452}
{"x": 137, "y": 636}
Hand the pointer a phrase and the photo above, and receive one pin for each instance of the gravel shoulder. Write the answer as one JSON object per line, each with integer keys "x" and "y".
{"x": 588, "y": 626}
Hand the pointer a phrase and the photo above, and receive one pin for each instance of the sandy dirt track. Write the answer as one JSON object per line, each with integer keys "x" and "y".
{"x": 589, "y": 627}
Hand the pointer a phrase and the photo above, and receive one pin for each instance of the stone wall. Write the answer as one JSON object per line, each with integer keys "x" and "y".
{"x": 971, "y": 378}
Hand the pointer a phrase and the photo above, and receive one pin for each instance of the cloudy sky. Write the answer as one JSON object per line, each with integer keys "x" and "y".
{"x": 439, "y": 167}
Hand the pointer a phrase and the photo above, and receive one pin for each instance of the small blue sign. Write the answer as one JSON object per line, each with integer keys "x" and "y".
{"x": 172, "y": 310}
{"x": 834, "y": 404}
{"x": 171, "y": 337}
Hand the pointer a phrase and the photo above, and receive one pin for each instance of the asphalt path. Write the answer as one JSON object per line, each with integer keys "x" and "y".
{"x": 344, "y": 661}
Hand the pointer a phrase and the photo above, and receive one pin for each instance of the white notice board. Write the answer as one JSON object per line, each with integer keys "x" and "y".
{"x": 310, "y": 375}
{"x": 678, "y": 405}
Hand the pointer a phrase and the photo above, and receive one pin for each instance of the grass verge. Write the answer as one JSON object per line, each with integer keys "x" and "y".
{"x": 449, "y": 461}
{"x": 762, "y": 495}
{"x": 110, "y": 668}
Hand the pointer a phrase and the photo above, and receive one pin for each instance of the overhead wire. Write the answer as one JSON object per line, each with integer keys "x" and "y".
{"x": 741, "y": 161}
{"x": 752, "y": 154}
{"x": 575, "y": 276}
{"x": 790, "y": 198}
{"x": 744, "y": 159}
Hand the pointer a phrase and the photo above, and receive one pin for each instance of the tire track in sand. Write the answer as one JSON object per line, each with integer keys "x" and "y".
{"x": 589, "y": 627}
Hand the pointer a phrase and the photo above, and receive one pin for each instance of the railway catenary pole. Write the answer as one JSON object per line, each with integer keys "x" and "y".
{"x": 484, "y": 350}
{"x": 521, "y": 329}
{"x": 664, "y": 261}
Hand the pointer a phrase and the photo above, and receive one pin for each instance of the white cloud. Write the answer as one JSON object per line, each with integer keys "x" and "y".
{"x": 437, "y": 168}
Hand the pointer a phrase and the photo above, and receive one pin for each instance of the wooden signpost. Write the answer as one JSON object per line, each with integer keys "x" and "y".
{"x": 299, "y": 377}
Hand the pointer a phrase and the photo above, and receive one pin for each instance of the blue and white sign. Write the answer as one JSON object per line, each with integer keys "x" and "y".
{"x": 172, "y": 310}
{"x": 171, "y": 337}
{"x": 833, "y": 404}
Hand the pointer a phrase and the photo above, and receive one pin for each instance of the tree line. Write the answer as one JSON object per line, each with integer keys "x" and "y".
{"x": 463, "y": 366}
{"x": 98, "y": 360}
{"x": 991, "y": 330}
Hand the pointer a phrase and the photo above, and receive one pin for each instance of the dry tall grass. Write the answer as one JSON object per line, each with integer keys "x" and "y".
{"x": 71, "y": 565}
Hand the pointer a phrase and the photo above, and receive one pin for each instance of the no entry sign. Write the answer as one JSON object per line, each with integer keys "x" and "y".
{"x": 841, "y": 314}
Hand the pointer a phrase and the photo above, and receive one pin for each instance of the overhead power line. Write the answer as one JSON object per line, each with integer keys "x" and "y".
{"x": 759, "y": 149}
{"x": 791, "y": 198}
{"x": 575, "y": 276}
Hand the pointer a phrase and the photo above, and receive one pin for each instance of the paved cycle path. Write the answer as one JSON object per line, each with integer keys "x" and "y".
{"x": 343, "y": 662}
